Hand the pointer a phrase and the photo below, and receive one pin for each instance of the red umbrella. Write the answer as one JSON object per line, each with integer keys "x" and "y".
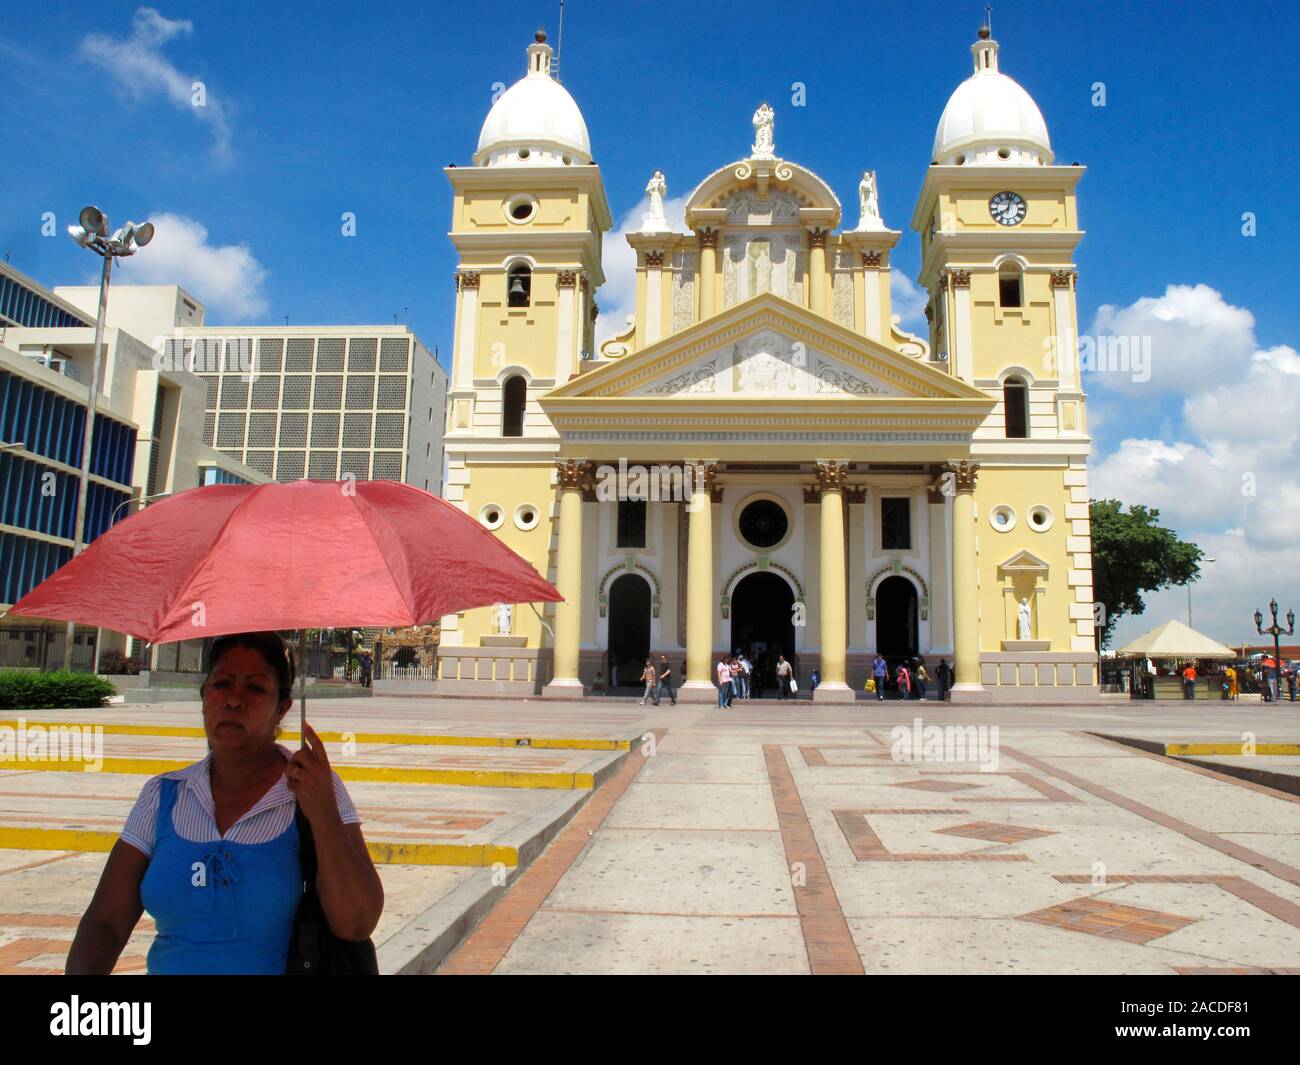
{"x": 307, "y": 554}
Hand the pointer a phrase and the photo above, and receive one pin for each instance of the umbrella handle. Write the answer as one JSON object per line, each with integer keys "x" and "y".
{"x": 302, "y": 686}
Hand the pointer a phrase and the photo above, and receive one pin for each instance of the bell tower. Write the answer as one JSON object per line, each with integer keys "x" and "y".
{"x": 999, "y": 226}
{"x": 527, "y": 222}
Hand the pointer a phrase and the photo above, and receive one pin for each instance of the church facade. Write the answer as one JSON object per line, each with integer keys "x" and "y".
{"x": 764, "y": 460}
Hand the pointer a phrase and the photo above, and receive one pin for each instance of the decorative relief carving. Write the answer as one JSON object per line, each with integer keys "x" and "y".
{"x": 842, "y": 298}
{"x": 833, "y": 379}
{"x": 830, "y": 475}
{"x": 746, "y": 207}
{"x": 467, "y": 279}
{"x": 871, "y": 258}
{"x": 964, "y": 474}
{"x": 943, "y": 283}
{"x": 695, "y": 381}
{"x": 1061, "y": 278}
{"x": 855, "y": 494}
{"x": 583, "y": 283}
{"x": 683, "y": 289}
{"x": 654, "y": 259}
{"x": 811, "y": 494}
{"x": 708, "y": 237}
{"x": 960, "y": 278}
{"x": 573, "y": 474}
{"x": 566, "y": 278}
{"x": 817, "y": 237}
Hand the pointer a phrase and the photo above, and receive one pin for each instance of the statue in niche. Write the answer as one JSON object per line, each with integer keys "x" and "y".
{"x": 504, "y": 612}
{"x": 1023, "y": 619}
{"x": 654, "y": 220}
{"x": 760, "y": 267}
{"x": 764, "y": 132}
{"x": 869, "y": 202}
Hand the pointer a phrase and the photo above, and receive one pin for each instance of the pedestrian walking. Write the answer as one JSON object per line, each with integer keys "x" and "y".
{"x": 922, "y": 678}
{"x": 943, "y": 674}
{"x": 367, "y": 664}
{"x": 724, "y": 683}
{"x": 879, "y": 671}
{"x": 903, "y": 678}
{"x": 650, "y": 678}
{"x": 784, "y": 671}
{"x": 665, "y": 681}
{"x": 1232, "y": 682}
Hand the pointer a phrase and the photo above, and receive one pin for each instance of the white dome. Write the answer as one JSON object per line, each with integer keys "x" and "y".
{"x": 991, "y": 120}
{"x": 535, "y": 122}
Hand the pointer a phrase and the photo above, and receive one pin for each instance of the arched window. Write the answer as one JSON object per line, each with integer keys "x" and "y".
{"x": 1015, "y": 405}
{"x": 519, "y": 286}
{"x": 514, "y": 395}
{"x": 1009, "y": 286}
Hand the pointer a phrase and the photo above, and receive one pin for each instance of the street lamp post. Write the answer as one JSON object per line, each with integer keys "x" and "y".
{"x": 1276, "y": 631}
{"x": 92, "y": 233}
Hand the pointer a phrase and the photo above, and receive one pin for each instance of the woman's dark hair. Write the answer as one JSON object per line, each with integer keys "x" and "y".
{"x": 267, "y": 644}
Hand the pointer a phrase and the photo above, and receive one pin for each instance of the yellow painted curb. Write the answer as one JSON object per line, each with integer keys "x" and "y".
{"x": 475, "y": 778}
{"x": 397, "y": 738}
{"x": 478, "y": 855}
{"x": 1233, "y": 749}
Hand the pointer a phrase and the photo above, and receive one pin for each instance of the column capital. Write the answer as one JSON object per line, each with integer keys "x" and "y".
{"x": 960, "y": 278}
{"x": 708, "y": 236}
{"x": 1064, "y": 278}
{"x": 855, "y": 494}
{"x": 654, "y": 259}
{"x": 566, "y": 278}
{"x": 830, "y": 475}
{"x": 817, "y": 237}
{"x": 871, "y": 258}
{"x": 466, "y": 279}
{"x": 942, "y": 284}
{"x": 964, "y": 474}
{"x": 573, "y": 474}
{"x": 812, "y": 494}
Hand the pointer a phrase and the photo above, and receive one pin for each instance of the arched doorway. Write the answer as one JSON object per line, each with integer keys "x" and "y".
{"x": 762, "y": 624}
{"x": 629, "y": 630}
{"x": 896, "y": 620}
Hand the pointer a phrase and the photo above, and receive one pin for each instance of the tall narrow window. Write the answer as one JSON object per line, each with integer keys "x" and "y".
{"x": 1015, "y": 405}
{"x": 895, "y": 523}
{"x": 514, "y": 395}
{"x": 631, "y": 523}
{"x": 1009, "y": 291}
{"x": 519, "y": 286}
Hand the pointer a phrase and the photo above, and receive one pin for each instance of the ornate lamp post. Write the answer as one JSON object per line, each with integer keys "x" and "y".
{"x": 1276, "y": 631}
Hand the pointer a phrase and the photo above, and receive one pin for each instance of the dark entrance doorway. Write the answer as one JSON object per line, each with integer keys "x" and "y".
{"x": 629, "y": 630}
{"x": 762, "y": 623}
{"x": 896, "y": 621}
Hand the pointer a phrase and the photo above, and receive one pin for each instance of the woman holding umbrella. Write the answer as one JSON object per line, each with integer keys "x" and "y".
{"x": 212, "y": 851}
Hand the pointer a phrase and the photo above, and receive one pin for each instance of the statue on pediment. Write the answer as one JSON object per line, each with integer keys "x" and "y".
{"x": 764, "y": 133}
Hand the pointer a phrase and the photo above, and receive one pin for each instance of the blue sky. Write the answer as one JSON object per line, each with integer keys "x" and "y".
{"x": 314, "y": 110}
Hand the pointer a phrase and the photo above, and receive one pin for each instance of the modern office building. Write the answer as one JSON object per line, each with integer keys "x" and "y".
{"x": 306, "y": 401}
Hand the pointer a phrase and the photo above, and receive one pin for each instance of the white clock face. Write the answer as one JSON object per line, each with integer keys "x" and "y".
{"x": 1007, "y": 209}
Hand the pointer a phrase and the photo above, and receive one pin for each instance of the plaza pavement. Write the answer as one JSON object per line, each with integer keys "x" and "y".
{"x": 601, "y": 836}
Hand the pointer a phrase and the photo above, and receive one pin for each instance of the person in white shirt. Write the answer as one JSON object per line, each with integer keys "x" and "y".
{"x": 724, "y": 683}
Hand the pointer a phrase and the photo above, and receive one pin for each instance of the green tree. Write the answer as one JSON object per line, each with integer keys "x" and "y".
{"x": 1132, "y": 554}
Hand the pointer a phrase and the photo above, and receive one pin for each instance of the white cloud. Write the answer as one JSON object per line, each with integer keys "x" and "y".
{"x": 617, "y": 296}
{"x": 226, "y": 277}
{"x": 1227, "y": 478}
{"x": 138, "y": 66}
{"x": 1193, "y": 335}
{"x": 908, "y": 300}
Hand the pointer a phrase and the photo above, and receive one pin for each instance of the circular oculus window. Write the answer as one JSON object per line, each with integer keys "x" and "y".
{"x": 1002, "y": 518}
{"x": 527, "y": 516}
{"x": 520, "y": 209}
{"x": 492, "y": 515}
{"x": 764, "y": 523}
{"x": 1040, "y": 518}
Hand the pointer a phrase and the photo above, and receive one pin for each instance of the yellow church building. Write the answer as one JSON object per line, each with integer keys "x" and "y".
{"x": 764, "y": 460}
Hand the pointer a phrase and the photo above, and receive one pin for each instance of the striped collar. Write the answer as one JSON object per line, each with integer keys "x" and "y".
{"x": 197, "y": 780}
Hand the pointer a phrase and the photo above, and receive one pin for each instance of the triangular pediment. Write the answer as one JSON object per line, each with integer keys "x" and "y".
{"x": 767, "y": 348}
{"x": 1024, "y": 562}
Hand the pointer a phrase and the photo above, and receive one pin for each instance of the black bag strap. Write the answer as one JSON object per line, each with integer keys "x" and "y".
{"x": 306, "y": 850}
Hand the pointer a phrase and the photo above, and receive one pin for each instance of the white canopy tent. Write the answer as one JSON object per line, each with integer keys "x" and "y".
{"x": 1173, "y": 639}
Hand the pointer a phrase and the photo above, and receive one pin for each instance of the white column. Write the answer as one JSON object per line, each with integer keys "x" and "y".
{"x": 1067, "y": 347}
{"x": 468, "y": 330}
{"x": 871, "y": 300}
{"x": 962, "y": 340}
{"x": 564, "y": 330}
{"x": 654, "y": 311}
